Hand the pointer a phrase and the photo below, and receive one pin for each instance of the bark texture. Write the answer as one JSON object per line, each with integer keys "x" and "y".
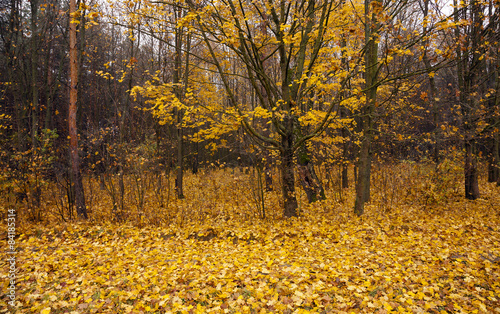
{"x": 81, "y": 209}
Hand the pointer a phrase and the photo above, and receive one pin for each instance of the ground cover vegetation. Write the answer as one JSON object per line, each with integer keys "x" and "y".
{"x": 417, "y": 250}
{"x": 232, "y": 156}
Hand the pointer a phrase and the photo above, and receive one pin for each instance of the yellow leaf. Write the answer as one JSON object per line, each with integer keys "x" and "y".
{"x": 45, "y": 310}
{"x": 387, "y": 306}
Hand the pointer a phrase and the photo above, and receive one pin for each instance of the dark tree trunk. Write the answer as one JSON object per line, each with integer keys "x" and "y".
{"x": 494, "y": 165}
{"x": 471, "y": 172}
{"x": 195, "y": 160}
{"x": 268, "y": 176}
{"x": 363, "y": 179}
{"x": 344, "y": 112}
{"x": 179, "y": 92}
{"x": 308, "y": 178}
{"x": 179, "y": 181}
{"x": 266, "y": 128}
{"x": 496, "y": 155}
{"x": 433, "y": 103}
{"x": 345, "y": 159}
{"x": 34, "y": 74}
{"x": 468, "y": 68}
{"x": 287, "y": 175}
{"x": 345, "y": 175}
{"x": 371, "y": 73}
{"x": 81, "y": 209}
{"x": 494, "y": 104}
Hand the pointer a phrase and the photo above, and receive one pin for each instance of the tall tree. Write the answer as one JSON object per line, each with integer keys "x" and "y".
{"x": 297, "y": 32}
{"x": 81, "y": 208}
{"x": 493, "y": 89}
{"x": 372, "y": 27}
{"x": 34, "y": 5}
{"x": 433, "y": 102}
{"x": 182, "y": 43}
{"x": 469, "y": 52}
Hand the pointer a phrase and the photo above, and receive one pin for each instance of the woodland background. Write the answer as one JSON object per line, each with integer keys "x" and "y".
{"x": 252, "y": 156}
{"x": 294, "y": 91}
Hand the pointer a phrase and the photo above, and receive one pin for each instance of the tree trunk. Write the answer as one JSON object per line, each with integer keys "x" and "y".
{"x": 34, "y": 74}
{"x": 81, "y": 209}
{"x": 180, "y": 159}
{"x": 308, "y": 178}
{"x": 287, "y": 175}
{"x": 497, "y": 155}
{"x": 265, "y": 99}
{"x": 179, "y": 92}
{"x": 363, "y": 179}
{"x": 344, "y": 112}
{"x": 268, "y": 174}
{"x": 371, "y": 73}
{"x": 345, "y": 175}
{"x": 433, "y": 102}
{"x": 494, "y": 108}
{"x": 195, "y": 160}
{"x": 494, "y": 165}
{"x": 345, "y": 153}
{"x": 471, "y": 172}
{"x": 467, "y": 66}
{"x": 496, "y": 145}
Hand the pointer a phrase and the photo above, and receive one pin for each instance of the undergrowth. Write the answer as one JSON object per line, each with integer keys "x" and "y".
{"x": 419, "y": 248}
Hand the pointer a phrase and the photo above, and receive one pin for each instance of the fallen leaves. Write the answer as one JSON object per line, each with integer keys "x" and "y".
{"x": 411, "y": 259}
{"x": 429, "y": 263}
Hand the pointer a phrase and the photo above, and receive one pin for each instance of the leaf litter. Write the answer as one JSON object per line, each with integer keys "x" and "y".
{"x": 407, "y": 260}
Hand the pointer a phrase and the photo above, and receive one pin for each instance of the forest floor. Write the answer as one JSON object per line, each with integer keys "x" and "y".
{"x": 403, "y": 258}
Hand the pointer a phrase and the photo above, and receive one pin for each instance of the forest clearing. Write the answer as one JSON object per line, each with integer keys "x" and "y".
{"x": 211, "y": 252}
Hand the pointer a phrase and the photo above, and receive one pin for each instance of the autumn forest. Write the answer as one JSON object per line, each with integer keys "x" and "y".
{"x": 250, "y": 156}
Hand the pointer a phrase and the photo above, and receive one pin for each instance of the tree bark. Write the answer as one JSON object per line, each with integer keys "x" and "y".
{"x": 494, "y": 105}
{"x": 471, "y": 173}
{"x": 493, "y": 166}
{"x": 497, "y": 155}
{"x": 81, "y": 209}
{"x": 344, "y": 113}
{"x": 34, "y": 73}
{"x": 345, "y": 152}
{"x": 179, "y": 92}
{"x": 496, "y": 135}
{"x": 363, "y": 180}
{"x": 180, "y": 159}
{"x": 371, "y": 73}
{"x": 436, "y": 133}
{"x": 287, "y": 174}
{"x": 308, "y": 178}
{"x": 468, "y": 56}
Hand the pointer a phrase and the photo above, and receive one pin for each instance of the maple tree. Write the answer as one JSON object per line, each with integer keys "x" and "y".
{"x": 295, "y": 37}
{"x": 289, "y": 40}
